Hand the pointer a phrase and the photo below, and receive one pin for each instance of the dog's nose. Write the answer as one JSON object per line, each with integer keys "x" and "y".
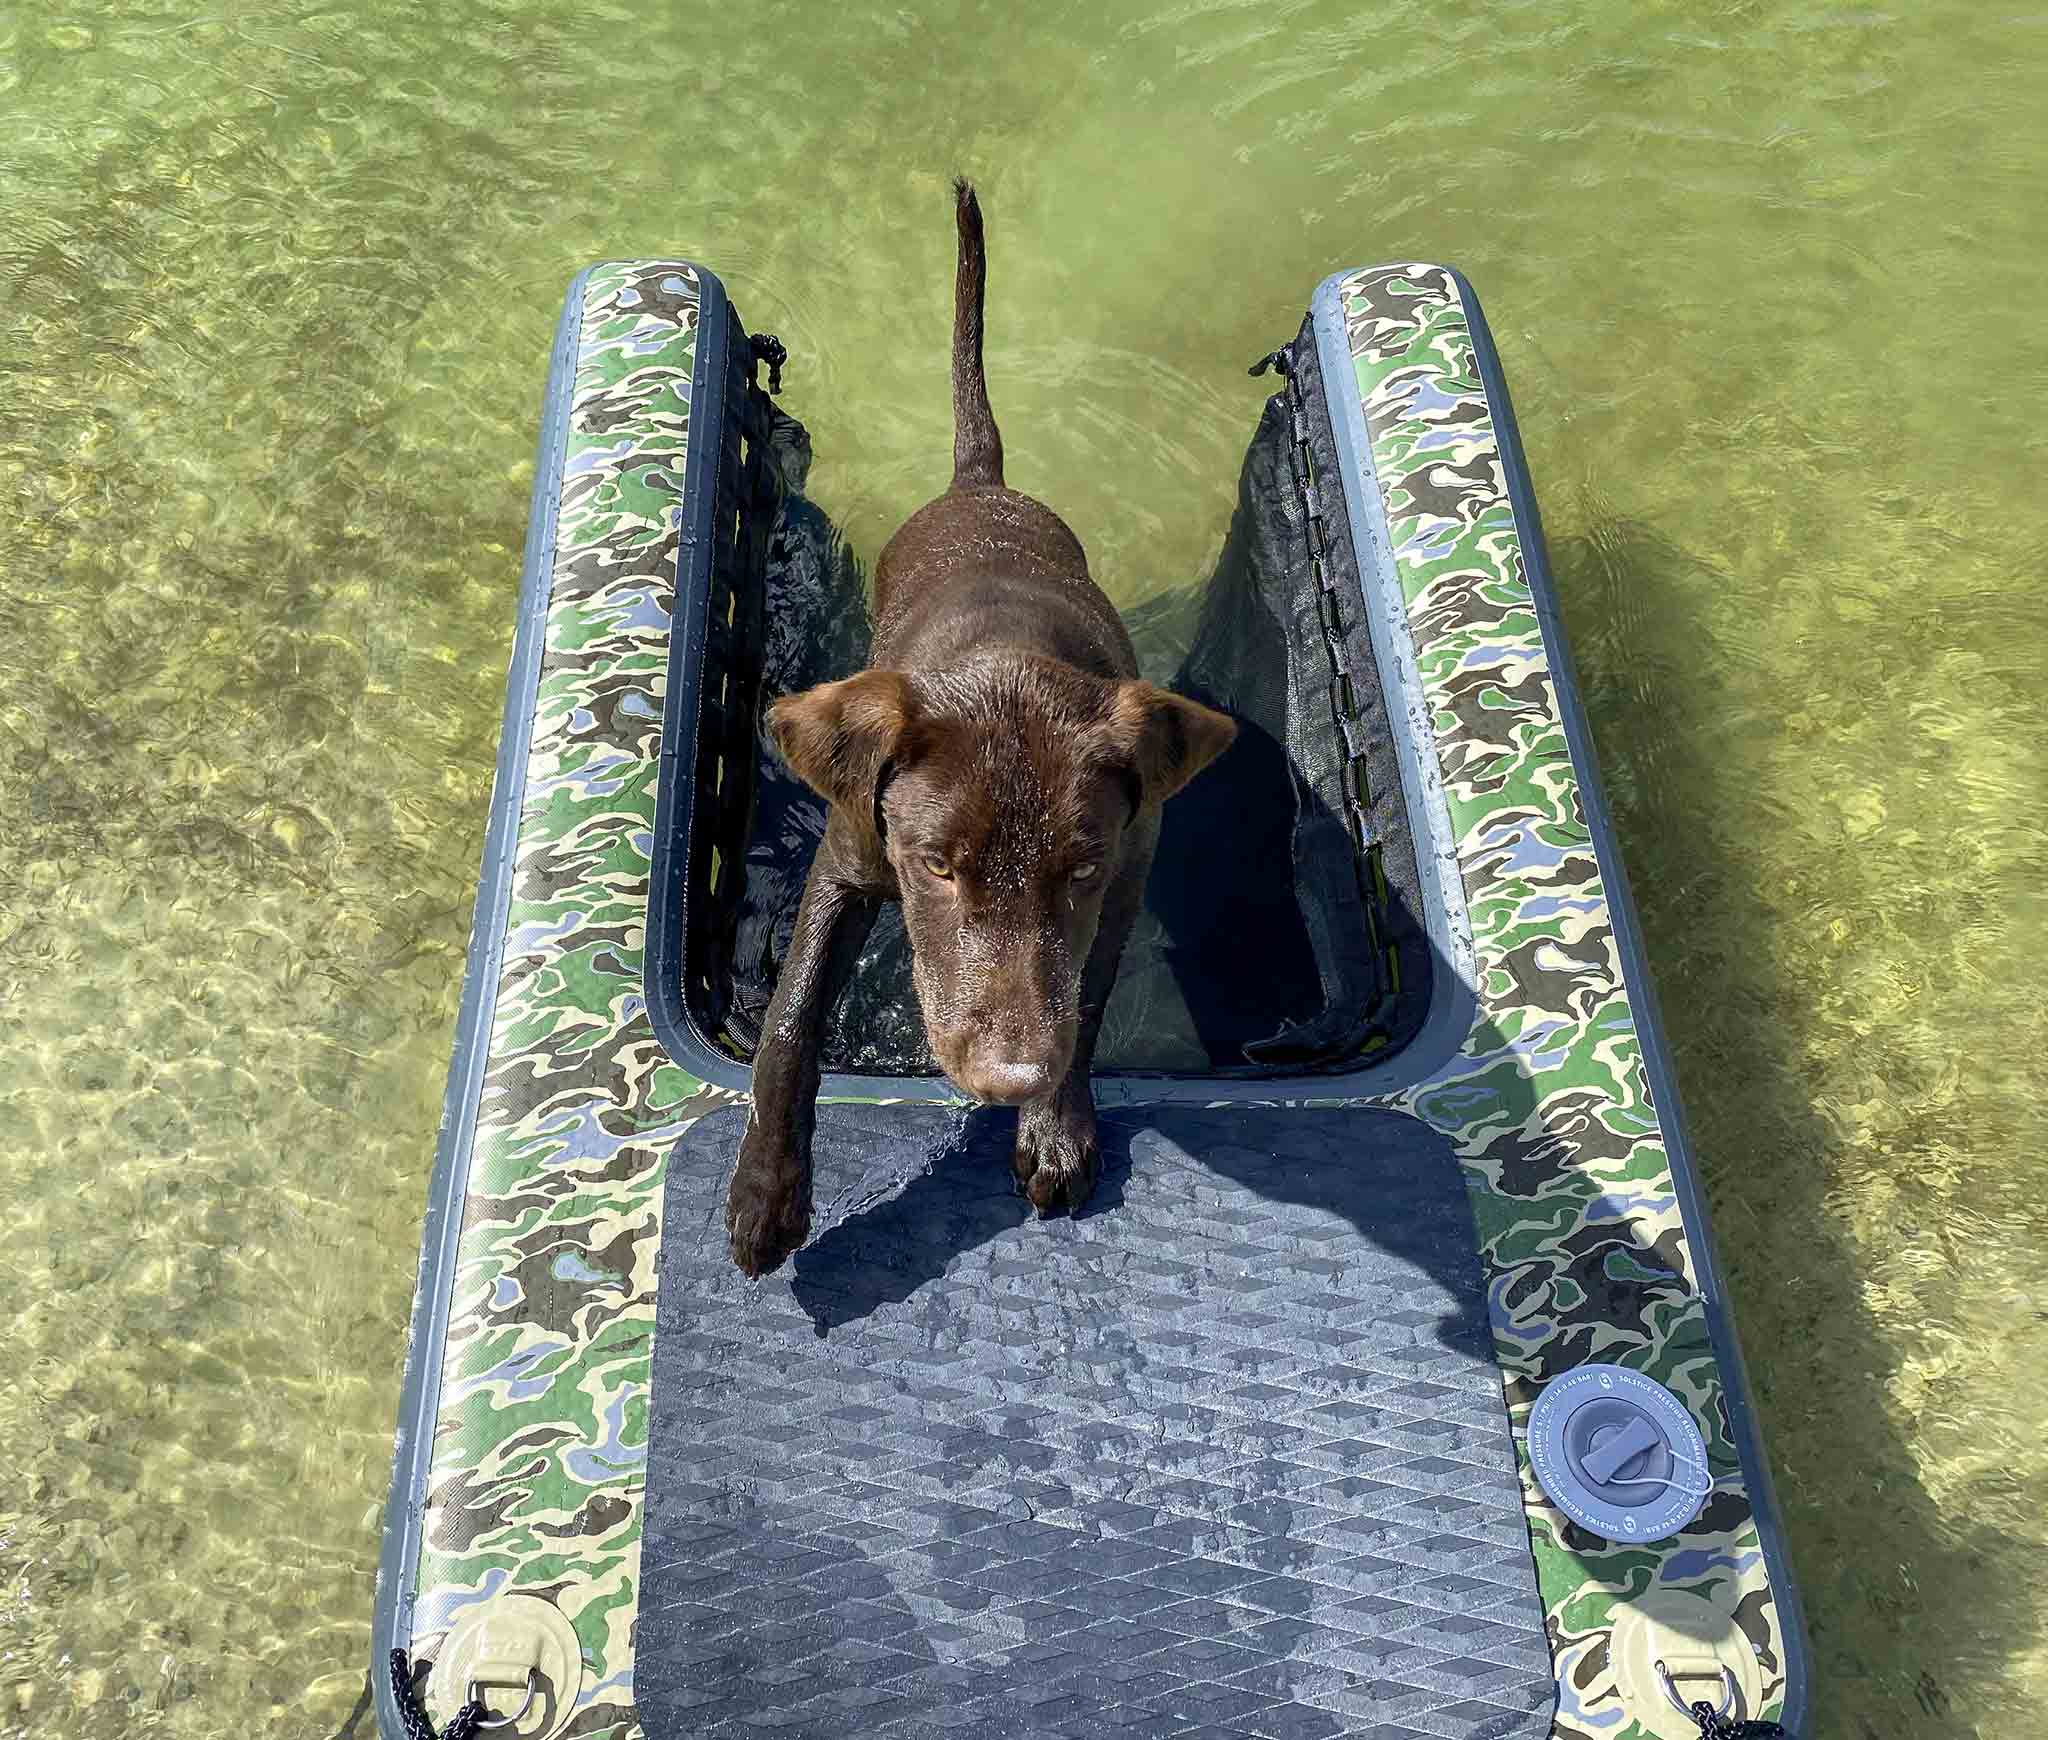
{"x": 1008, "y": 1084}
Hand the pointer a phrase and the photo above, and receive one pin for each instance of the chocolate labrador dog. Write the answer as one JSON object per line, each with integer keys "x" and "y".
{"x": 999, "y": 770}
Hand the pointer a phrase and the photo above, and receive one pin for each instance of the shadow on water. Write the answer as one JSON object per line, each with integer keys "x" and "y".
{"x": 1865, "y": 1537}
{"x": 1212, "y": 893}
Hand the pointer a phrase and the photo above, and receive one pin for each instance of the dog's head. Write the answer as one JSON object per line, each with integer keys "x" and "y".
{"x": 1004, "y": 794}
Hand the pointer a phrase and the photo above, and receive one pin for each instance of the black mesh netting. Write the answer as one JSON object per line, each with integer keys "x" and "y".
{"x": 1280, "y": 931}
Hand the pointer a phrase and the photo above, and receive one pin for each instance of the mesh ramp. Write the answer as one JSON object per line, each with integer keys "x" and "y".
{"x": 1224, "y": 1455}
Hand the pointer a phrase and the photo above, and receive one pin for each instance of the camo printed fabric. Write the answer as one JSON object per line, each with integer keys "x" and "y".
{"x": 1548, "y": 1104}
{"x": 540, "y": 1438}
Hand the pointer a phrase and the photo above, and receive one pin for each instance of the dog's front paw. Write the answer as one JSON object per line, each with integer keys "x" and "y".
{"x": 1057, "y": 1158}
{"x": 767, "y": 1208}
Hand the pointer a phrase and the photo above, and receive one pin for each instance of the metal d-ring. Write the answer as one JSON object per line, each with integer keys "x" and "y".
{"x": 532, "y": 1692}
{"x": 1670, "y": 1686}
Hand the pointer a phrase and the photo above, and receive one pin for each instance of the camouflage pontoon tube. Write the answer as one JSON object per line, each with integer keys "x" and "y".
{"x": 1386, "y": 1386}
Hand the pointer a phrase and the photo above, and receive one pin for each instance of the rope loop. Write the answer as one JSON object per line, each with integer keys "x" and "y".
{"x": 412, "y": 1714}
{"x": 770, "y": 350}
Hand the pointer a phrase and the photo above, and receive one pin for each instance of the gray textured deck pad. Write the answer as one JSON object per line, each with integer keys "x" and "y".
{"x": 1224, "y": 1455}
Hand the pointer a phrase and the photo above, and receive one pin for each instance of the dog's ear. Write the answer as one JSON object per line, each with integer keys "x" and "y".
{"x": 1164, "y": 738}
{"x": 837, "y": 736}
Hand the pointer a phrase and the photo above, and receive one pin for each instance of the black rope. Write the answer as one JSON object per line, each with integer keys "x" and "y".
{"x": 1715, "y": 1726}
{"x": 467, "y": 1721}
{"x": 771, "y": 351}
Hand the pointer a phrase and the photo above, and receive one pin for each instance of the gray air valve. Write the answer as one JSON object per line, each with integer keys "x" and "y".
{"x": 1618, "y": 1453}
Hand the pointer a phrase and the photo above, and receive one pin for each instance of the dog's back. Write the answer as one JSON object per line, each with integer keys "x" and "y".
{"x": 985, "y": 565}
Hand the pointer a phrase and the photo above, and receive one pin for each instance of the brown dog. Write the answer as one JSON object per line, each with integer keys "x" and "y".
{"x": 999, "y": 770}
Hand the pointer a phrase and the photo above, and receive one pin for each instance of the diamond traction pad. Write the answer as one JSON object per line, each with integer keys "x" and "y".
{"x": 1224, "y": 1455}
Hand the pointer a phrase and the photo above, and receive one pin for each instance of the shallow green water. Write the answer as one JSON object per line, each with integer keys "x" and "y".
{"x": 276, "y": 286}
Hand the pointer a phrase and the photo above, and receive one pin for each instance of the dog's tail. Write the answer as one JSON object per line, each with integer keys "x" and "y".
{"x": 977, "y": 445}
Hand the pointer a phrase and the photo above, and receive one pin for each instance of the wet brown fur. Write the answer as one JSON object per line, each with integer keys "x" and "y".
{"x": 1000, "y": 742}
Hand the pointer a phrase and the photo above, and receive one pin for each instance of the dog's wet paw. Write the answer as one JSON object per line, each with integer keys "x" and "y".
{"x": 767, "y": 1216}
{"x": 1057, "y": 1158}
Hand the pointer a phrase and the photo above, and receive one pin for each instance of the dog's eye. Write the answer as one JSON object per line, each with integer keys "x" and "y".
{"x": 939, "y": 868}
{"x": 1086, "y": 872}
